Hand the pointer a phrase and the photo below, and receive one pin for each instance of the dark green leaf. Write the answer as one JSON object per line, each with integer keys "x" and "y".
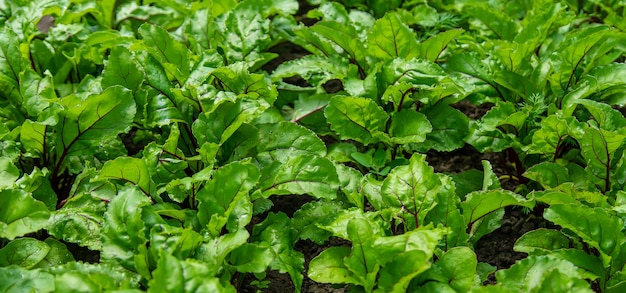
{"x": 356, "y": 118}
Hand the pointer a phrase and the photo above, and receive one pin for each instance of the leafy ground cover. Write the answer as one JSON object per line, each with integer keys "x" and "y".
{"x": 316, "y": 146}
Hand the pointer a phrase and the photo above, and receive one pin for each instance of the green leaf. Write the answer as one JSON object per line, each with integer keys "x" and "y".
{"x": 418, "y": 72}
{"x": 362, "y": 264}
{"x": 409, "y": 127}
{"x": 80, "y": 221}
{"x": 124, "y": 229}
{"x": 58, "y": 254}
{"x": 25, "y": 252}
{"x": 251, "y": 258}
{"x": 11, "y": 60}
{"x": 307, "y": 219}
{"x": 240, "y": 143}
{"x": 278, "y": 233}
{"x": 456, "y": 268}
{"x": 285, "y": 139}
{"x": 557, "y": 281}
{"x": 471, "y": 64}
{"x": 86, "y": 277}
{"x": 424, "y": 239}
{"x": 8, "y": 173}
{"x": 396, "y": 275}
{"x": 219, "y": 125}
{"x": 38, "y": 95}
{"x": 236, "y": 78}
{"x": 21, "y": 214}
{"x": 86, "y": 123}
{"x": 412, "y": 189}
{"x": 449, "y": 129}
{"x": 33, "y": 137}
{"x": 448, "y": 214}
{"x": 222, "y": 196}
{"x": 501, "y": 24}
{"x": 595, "y": 226}
{"x": 18, "y": 279}
{"x": 214, "y": 252}
{"x": 31, "y": 253}
{"x": 548, "y": 174}
{"x": 598, "y": 148}
{"x": 356, "y": 118}
{"x": 122, "y": 69}
{"x": 172, "y": 55}
{"x": 389, "y": 38}
{"x": 339, "y": 224}
{"x": 245, "y": 33}
{"x": 345, "y": 36}
{"x": 174, "y": 275}
{"x": 541, "y": 240}
{"x": 329, "y": 267}
{"x": 599, "y": 79}
{"x": 316, "y": 70}
{"x": 530, "y": 273}
{"x": 130, "y": 170}
{"x": 480, "y": 203}
{"x": 179, "y": 242}
{"x": 577, "y": 46}
{"x": 607, "y": 117}
{"x": 303, "y": 174}
{"x": 551, "y": 137}
{"x": 432, "y": 48}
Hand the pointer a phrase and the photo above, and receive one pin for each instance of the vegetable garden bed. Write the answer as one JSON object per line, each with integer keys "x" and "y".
{"x": 312, "y": 146}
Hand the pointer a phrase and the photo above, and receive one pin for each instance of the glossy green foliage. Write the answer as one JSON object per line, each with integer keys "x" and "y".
{"x": 196, "y": 146}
